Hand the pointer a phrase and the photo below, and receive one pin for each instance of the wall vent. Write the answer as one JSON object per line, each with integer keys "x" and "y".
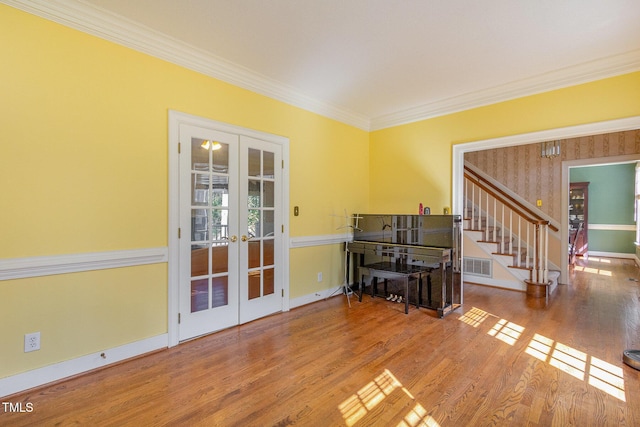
{"x": 478, "y": 266}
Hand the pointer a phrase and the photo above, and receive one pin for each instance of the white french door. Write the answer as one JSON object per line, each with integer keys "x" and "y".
{"x": 260, "y": 219}
{"x": 230, "y": 219}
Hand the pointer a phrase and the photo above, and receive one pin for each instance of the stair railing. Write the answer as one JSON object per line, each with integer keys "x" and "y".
{"x": 528, "y": 236}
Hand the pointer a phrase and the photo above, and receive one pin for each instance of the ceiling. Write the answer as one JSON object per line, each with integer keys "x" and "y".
{"x": 374, "y": 63}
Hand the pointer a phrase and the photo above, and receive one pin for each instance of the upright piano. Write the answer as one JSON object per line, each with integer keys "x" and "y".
{"x": 424, "y": 250}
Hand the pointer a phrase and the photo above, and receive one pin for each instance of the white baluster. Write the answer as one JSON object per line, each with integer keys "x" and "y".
{"x": 486, "y": 214}
{"x": 495, "y": 237}
{"x": 519, "y": 253}
{"x": 534, "y": 267}
{"x": 511, "y": 231}
{"x": 540, "y": 255}
{"x": 528, "y": 244}
{"x": 502, "y": 229}
{"x": 546, "y": 253}
{"x": 478, "y": 205}
{"x": 466, "y": 199}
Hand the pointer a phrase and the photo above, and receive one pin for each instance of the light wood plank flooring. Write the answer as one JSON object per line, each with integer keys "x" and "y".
{"x": 499, "y": 360}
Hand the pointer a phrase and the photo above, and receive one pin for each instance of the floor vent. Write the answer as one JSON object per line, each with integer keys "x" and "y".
{"x": 478, "y": 266}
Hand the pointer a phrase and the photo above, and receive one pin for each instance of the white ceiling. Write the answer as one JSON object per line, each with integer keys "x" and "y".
{"x": 377, "y": 63}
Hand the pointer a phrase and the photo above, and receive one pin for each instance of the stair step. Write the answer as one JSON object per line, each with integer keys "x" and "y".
{"x": 500, "y": 240}
{"x": 521, "y": 255}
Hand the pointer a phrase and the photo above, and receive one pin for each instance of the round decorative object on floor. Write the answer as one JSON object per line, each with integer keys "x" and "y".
{"x": 632, "y": 358}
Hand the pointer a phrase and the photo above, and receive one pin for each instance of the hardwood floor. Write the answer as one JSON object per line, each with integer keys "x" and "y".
{"x": 499, "y": 360}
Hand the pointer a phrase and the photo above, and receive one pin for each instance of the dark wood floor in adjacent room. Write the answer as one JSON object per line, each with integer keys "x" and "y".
{"x": 499, "y": 360}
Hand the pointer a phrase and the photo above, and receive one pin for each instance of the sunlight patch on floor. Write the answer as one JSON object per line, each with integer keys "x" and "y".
{"x": 569, "y": 360}
{"x": 592, "y": 270}
{"x": 539, "y": 347}
{"x": 506, "y": 331}
{"x": 474, "y": 317}
{"x": 607, "y": 377}
{"x": 602, "y": 260}
{"x": 368, "y": 397}
{"x": 418, "y": 417}
{"x": 598, "y": 373}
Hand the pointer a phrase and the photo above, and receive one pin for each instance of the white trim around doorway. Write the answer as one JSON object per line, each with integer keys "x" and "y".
{"x": 596, "y": 128}
{"x": 176, "y": 119}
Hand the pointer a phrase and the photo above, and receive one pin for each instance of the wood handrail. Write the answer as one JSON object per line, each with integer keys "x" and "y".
{"x": 490, "y": 191}
{"x": 505, "y": 198}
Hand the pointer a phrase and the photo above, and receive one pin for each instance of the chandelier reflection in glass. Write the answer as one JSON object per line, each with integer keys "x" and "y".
{"x": 214, "y": 145}
{"x": 550, "y": 149}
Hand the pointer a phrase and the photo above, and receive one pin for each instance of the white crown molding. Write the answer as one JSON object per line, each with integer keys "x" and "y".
{"x": 591, "y": 71}
{"x": 20, "y": 268}
{"x": 101, "y": 23}
{"x": 106, "y": 25}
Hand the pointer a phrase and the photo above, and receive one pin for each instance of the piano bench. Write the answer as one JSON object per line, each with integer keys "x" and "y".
{"x": 394, "y": 271}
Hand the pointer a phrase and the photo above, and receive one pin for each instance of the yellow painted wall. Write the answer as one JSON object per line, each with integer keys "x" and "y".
{"x": 326, "y": 259}
{"x": 80, "y": 313}
{"x": 418, "y": 155}
{"x": 84, "y": 168}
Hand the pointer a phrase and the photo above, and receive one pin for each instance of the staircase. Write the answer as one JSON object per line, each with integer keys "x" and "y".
{"x": 504, "y": 234}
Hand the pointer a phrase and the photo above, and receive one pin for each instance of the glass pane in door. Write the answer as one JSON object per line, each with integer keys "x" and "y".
{"x": 260, "y": 222}
{"x": 269, "y": 284}
{"x": 268, "y": 252}
{"x": 255, "y": 162}
{"x": 209, "y": 224}
{"x": 269, "y": 165}
{"x": 220, "y": 291}
{"x": 254, "y": 223}
{"x": 261, "y": 291}
{"x": 254, "y": 284}
{"x": 199, "y": 295}
{"x": 254, "y": 254}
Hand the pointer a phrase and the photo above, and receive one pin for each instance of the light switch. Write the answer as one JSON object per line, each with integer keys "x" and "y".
{"x": 539, "y": 202}
{"x": 296, "y": 211}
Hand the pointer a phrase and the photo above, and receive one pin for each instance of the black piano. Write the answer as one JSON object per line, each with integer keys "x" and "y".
{"x": 420, "y": 252}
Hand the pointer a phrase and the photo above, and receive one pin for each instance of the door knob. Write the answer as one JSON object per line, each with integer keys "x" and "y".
{"x": 244, "y": 238}
{"x": 233, "y": 238}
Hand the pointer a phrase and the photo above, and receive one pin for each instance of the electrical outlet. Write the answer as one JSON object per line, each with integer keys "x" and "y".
{"x": 320, "y": 277}
{"x": 32, "y": 342}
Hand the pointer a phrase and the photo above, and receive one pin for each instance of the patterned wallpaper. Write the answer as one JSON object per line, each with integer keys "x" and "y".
{"x": 521, "y": 168}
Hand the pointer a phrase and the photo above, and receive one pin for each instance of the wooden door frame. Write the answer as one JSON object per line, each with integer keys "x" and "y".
{"x": 596, "y": 128}
{"x": 176, "y": 119}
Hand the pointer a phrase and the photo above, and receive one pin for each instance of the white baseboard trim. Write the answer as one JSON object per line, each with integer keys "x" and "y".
{"x": 495, "y": 283}
{"x": 20, "y": 268}
{"x": 58, "y": 371}
{"x": 612, "y": 255}
{"x": 316, "y": 296}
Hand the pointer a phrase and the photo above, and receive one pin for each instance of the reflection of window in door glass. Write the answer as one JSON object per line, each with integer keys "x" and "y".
{"x": 268, "y": 166}
{"x": 253, "y": 222}
{"x": 268, "y": 223}
{"x": 254, "y": 162}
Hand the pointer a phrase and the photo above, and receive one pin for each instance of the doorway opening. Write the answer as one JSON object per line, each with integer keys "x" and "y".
{"x": 536, "y": 137}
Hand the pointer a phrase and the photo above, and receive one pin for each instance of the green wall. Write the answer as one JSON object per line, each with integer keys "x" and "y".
{"x": 611, "y": 203}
